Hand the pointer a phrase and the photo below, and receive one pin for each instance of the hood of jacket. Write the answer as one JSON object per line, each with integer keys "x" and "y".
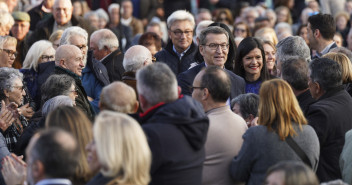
{"x": 187, "y": 114}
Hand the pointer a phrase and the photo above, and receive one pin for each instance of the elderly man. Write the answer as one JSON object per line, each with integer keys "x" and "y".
{"x": 176, "y": 127}
{"x": 6, "y": 23}
{"x": 20, "y": 30}
{"x": 135, "y": 58}
{"x": 321, "y": 30}
{"x": 214, "y": 47}
{"x": 128, "y": 19}
{"x": 105, "y": 47}
{"x": 60, "y": 20}
{"x": 7, "y": 51}
{"x": 39, "y": 12}
{"x": 211, "y": 88}
{"x": 180, "y": 50}
{"x": 293, "y": 46}
{"x": 119, "y": 97}
{"x": 330, "y": 115}
{"x": 69, "y": 61}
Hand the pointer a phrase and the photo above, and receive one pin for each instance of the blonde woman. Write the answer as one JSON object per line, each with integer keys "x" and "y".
{"x": 280, "y": 117}
{"x": 267, "y": 34}
{"x": 122, "y": 150}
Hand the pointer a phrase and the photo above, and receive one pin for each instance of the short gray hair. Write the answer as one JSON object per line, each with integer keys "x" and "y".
{"x": 7, "y": 78}
{"x": 248, "y": 104}
{"x": 7, "y": 39}
{"x": 89, "y": 14}
{"x": 157, "y": 83}
{"x": 102, "y": 14}
{"x": 180, "y": 15}
{"x": 6, "y": 19}
{"x": 106, "y": 38}
{"x": 56, "y": 85}
{"x": 34, "y": 53}
{"x": 135, "y": 57}
{"x": 54, "y": 102}
{"x": 326, "y": 72}
{"x": 213, "y": 30}
{"x": 292, "y": 46}
{"x": 113, "y": 6}
{"x": 73, "y": 31}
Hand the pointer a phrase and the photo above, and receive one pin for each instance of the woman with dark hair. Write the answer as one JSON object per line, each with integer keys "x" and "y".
{"x": 152, "y": 41}
{"x": 241, "y": 29}
{"x": 250, "y": 64}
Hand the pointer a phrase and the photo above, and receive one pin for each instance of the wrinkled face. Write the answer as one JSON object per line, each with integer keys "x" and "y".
{"x": 253, "y": 62}
{"x": 338, "y": 40}
{"x": 215, "y": 56}
{"x": 115, "y": 16}
{"x": 20, "y": 29}
{"x": 7, "y": 56}
{"x": 17, "y": 93}
{"x": 275, "y": 178}
{"x": 62, "y": 12}
{"x": 48, "y": 55}
{"x": 269, "y": 56}
{"x": 240, "y": 31}
{"x": 97, "y": 53}
{"x": 127, "y": 9}
{"x": 73, "y": 94}
{"x": 92, "y": 157}
{"x": 75, "y": 62}
{"x": 310, "y": 35}
{"x": 181, "y": 34}
{"x": 341, "y": 23}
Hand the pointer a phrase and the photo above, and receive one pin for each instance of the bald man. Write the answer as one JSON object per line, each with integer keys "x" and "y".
{"x": 69, "y": 61}
{"x": 119, "y": 97}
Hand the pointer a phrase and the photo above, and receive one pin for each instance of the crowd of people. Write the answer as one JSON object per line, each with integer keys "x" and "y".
{"x": 137, "y": 92}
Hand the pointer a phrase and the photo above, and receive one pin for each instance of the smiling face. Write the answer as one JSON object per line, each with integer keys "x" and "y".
{"x": 74, "y": 62}
{"x": 253, "y": 62}
{"x": 62, "y": 11}
{"x": 218, "y": 56}
{"x": 269, "y": 56}
{"x": 181, "y": 34}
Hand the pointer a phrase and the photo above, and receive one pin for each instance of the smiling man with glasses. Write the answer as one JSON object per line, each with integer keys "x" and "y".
{"x": 180, "y": 50}
{"x": 7, "y": 51}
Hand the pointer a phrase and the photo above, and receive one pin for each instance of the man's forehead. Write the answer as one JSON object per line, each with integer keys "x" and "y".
{"x": 62, "y": 4}
{"x": 216, "y": 38}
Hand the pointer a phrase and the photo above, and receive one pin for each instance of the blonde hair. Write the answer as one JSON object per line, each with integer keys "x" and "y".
{"x": 345, "y": 63}
{"x": 289, "y": 16}
{"x": 122, "y": 148}
{"x": 34, "y": 54}
{"x": 77, "y": 123}
{"x": 266, "y": 30}
{"x": 56, "y": 36}
{"x": 278, "y": 107}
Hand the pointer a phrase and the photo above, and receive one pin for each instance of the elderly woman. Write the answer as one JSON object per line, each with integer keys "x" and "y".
{"x": 246, "y": 106}
{"x": 251, "y": 64}
{"x": 11, "y": 91}
{"x": 40, "y": 52}
{"x": 121, "y": 148}
{"x": 280, "y": 120}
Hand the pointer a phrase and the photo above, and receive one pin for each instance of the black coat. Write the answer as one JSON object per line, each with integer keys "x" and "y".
{"x": 37, "y": 14}
{"x": 185, "y": 81}
{"x": 304, "y": 100}
{"x": 176, "y": 135}
{"x": 114, "y": 66}
{"x": 169, "y": 57}
{"x": 331, "y": 118}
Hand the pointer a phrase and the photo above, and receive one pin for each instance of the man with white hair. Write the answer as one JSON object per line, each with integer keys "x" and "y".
{"x": 105, "y": 47}
{"x": 61, "y": 19}
{"x": 135, "y": 58}
{"x": 6, "y": 22}
{"x": 180, "y": 51}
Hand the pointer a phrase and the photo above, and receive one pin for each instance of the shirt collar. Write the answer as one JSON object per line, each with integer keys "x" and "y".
{"x": 180, "y": 55}
{"x": 54, "y": 181}
{"x": 325, "y": 50}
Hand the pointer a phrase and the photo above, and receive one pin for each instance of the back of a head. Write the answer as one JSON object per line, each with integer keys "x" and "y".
{"x": 122, "y": 148}
{"x": 64, "y": 52}
{"x": 294, "y": 173}
{"x": 135, "y": 58}
{"x": 248, "y": 103}
{"x": 325, "y": 23}
{"x": 294, "y": 70}
{"x": 180, "y": 15}
{"x": 293, "y": 46}
{"x": 52, "y": 103}
{"x": 218, "y": 83}
{"x": 157, "y": 83}
{"x": 344, "y": 62}
{"x": 278, "y": 106}
{"x": 71, "y": 32}
{"x": 118, "y": 97}
{"x": 58, "y": 151}
{"x": 326, "y": 72}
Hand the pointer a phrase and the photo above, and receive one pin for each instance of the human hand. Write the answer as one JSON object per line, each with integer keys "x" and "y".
{"x": 26, "y": 111}
{"x": 6, "y": 116}
{"x": 14, "y": 170}
{"x": 90, "y": 98}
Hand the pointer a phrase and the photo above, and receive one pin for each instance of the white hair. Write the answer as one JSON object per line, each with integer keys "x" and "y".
{"x": 34, "y": 54}
{"x": 135, "y": 57}
{"x": 102, "y": 14}
{"x": 107, "y": 38}
{"x": 180, "y": 15}
{"x": 90, "y": 14}
{"x": 6, "y": 19}
{"x": 202, "y": 25}
{"x": 283, "y": 27}
{"x": 73, "y": 31}
{"x": 4, "y": 7}
{"x": 113, "y": 6}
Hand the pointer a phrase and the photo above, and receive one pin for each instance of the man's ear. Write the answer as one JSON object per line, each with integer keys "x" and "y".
{"x": 62, "y": 63}
{"x": 136, "y": 106}
{"x": 201, "y": 49}
{"x": 38, "y": 170}
{"x": 143, "y": 102}
{"x": 316, "y": 33}
{"x": 205, "y": 94}
{"x": 319, "y": 91}
{"x": 7, "y": 93}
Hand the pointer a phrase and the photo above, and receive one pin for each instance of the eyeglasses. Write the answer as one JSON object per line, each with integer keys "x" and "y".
{"x": 214, "y": 46}
{"x": 179, "y": 32}
{"x": 48, "y": 57}
{"x": 19, "y": 87}
{"x": 240, "y": 30}
{"x": 10, "y": 53}
{"x": 193, "y": 87}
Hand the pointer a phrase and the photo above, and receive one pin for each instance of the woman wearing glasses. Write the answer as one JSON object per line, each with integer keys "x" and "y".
{"x": 250, "y": 64}
{"x": 11, "y": 96}
{"x": 40, "y": 52}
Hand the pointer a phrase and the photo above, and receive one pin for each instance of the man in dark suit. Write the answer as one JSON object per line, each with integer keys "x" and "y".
{"x": 105, "y": 46}
{"x": 321, "y": 30}
{"x": 214, "y": 47}
{"x": 330, "y": 115}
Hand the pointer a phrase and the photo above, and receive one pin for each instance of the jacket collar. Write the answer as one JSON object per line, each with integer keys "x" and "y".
{"x": 331, "y": 92}
{"x": 169, "y": 47}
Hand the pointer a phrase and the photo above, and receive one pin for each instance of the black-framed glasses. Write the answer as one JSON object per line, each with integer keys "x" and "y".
{"x": 214, "y": 46}
{"x": 179, "y": 32}
{"x": 192, "y": 88}
{"x": 48, "y": 57}
{"x": 10, "y": 53}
